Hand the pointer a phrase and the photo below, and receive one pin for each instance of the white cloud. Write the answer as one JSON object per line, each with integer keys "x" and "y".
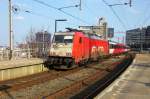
{"x": 19, "y": 18}
{"x": 22, "y": 6}
{"x": 134, "y": 11}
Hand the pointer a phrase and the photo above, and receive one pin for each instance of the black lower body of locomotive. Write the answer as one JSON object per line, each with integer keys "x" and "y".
{"x": 56, "y": 62}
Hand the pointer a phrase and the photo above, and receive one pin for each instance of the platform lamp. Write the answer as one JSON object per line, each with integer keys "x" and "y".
{"x": 57, "y": 21}
{"x": 56, "y": 26}
{"x": 10, "y": 30}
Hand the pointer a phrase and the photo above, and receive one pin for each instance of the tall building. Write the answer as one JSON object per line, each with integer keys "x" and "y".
{"x": 138, "y": 38}
{"x": 43, "y": 41}
{"x": 147, "y": 37}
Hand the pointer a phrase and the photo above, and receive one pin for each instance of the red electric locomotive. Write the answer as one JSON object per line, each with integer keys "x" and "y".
{"x": 72, "y": 48}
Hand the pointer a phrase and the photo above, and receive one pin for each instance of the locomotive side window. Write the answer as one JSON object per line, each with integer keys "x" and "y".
{"x": 80, "y": 40}
{"x": 63, "y": 39}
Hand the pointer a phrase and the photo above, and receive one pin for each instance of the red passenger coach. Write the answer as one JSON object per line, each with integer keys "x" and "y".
{"x": 120, "y": 48}
{"x": 117, "y": 48}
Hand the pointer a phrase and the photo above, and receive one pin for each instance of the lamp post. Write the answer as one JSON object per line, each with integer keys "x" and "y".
{"x": 56, "y": 26}
{"x": 141, "y": 44}
{"x": 10, "y": 31}
{"x": 43, "y": 42}
{"x": 57, "y": 21}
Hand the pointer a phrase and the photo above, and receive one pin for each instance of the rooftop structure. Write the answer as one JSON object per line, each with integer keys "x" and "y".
{"x": 100, "y": 29}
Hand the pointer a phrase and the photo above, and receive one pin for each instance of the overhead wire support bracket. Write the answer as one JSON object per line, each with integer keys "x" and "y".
{"x": 77, "y": 5}
{"x": 68, "y": 7}
{"x": 114, "y": 12}
{"x": 62, "y": 11}
{"x": 129, "y": 3}
{"x": 118, "y": 4}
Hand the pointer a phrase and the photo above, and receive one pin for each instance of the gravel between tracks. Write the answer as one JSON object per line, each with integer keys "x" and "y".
{"x": 49, "y": 87}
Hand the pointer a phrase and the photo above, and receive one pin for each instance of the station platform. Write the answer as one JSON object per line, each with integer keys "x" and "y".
{"x": 134, "y": 83}
{"x": 19, "y": 63}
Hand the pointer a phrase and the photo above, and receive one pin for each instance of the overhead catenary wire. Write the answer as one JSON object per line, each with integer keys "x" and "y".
{"x": 90, "y": 10}
{"x": 64, "y": 12}
{"x": 16, "y": 9}
{"x": 38, "y": 14}
{"x": 146, "y": 20}
{"x": 145, "y": 14}
{"x": 125, "y": 18}
{"x": 142, "y": 18}
{"x": 114, "y": 12}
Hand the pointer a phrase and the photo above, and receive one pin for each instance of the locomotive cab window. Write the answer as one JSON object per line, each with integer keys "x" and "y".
{"x": 63, "y": 39}
{"x": 59, "y": 38}
{"x": 68, "y": 39}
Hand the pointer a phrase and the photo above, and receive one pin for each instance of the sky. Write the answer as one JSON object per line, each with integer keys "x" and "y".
{"x": 43, "y": 17}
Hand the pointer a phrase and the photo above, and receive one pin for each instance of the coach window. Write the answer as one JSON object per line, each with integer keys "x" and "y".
{"x": 115, "y": 46}
{"x": 111, "y": 46}
{"x": 80, "y": 40}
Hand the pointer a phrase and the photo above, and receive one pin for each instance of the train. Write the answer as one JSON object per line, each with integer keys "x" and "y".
{"x": 74, "y": 48}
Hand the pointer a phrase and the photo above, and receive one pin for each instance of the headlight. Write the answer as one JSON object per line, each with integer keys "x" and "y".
{"x": 68, "y": 54}
{"x": 52, "y": 53}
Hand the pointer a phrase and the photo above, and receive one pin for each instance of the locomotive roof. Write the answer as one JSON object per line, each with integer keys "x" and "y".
{"x": 90, "y": 35}
{"x": 110, "y": 42}
{"x": 116, "y": 43}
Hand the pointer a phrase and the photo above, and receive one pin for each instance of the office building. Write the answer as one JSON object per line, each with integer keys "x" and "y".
{"x": 138, "y": 38}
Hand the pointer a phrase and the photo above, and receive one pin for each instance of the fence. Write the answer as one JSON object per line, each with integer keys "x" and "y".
{"x": 22, "y": 53}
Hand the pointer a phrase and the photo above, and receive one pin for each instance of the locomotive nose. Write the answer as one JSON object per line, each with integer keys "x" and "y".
{"x": 64, "y": 50}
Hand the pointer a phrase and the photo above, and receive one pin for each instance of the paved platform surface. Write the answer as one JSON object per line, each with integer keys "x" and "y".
{"x": 134, "y": 83}
{"x": 19, "y": 63}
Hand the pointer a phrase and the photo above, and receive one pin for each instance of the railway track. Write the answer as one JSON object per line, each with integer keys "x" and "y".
{"x": 86, "y": 87}
{"x": 91, "y": 91}
{"x": 27, "y": 81}
{"x": 46, "y": 80}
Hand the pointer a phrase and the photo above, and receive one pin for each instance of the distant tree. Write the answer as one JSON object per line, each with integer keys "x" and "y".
{"x": 30, "y": 38}
{"x": 38, "y": 41}
{"x": 31, "y": 42}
